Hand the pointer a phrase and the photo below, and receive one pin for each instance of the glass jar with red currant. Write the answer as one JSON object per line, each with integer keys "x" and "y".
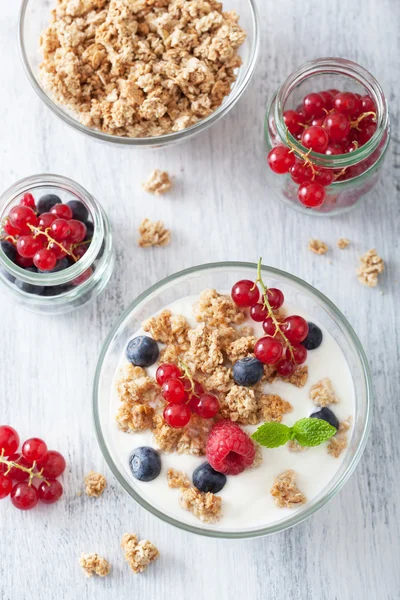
{"x": 56, "y": 250}
{"x": 326, "y": 131}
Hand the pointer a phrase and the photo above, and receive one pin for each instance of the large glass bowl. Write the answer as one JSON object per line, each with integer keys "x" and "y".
{"x": 221, "y": 276}
{"x": 35, "y": 17}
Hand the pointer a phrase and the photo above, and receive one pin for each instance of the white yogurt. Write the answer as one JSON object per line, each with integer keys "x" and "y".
{"x": 246, "y": 500}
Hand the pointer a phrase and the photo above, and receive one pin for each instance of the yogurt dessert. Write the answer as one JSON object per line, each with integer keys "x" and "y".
{"x": 233, "y": 411}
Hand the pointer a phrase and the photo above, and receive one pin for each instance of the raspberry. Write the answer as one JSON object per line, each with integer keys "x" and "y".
{"x": 229, "y": 449}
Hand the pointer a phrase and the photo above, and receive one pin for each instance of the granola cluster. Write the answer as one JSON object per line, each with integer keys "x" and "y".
{"x": 323, "y": 394}
{"x": 140, "y": 68}
{"x": 205, "y": 506}
{"x": 93, "y": 564}
{"x": 317, "y": 246}
{"x": 139, "y": 395}
{"x": 137, "y": 554}
{"x": 158, "y": 183}
{"x": 339, "y": 441}
{"x": 153, "y": 233}
{"x": 285, "y": 491}
{"x": 371, "y": 266}
{"x": 95, "y": 484}
{"x": 342, "y": 243}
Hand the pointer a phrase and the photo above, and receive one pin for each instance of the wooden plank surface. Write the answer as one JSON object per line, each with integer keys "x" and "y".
{"x": 221, "y": 209}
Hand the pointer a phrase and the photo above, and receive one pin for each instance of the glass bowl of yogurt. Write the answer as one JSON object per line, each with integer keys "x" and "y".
{"x": 248, "y": 508}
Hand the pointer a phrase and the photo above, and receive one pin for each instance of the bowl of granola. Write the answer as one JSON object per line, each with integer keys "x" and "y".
{"x": 139, "y": 72}
{"x": 232, "y": 402}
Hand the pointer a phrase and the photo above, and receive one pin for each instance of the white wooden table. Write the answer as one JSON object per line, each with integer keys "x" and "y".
{"x": 349, "y": 550}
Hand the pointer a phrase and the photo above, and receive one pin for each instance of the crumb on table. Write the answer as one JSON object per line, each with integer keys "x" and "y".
{"x": 317, "y": 246}
{"x": 322, "y": 393}
{"x": 342, "y": 243}
{"x": 159, "y": 182}
{"x": 153, "y": 233}
{"x": 95, "y": 484}
{"x": 285, "y": 491}
{"x": 93, "y": 564}
{"x": 371, "y": 266}
{"x": 137, "y": 554}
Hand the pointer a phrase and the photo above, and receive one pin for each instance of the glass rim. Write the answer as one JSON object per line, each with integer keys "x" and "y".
{"x": 65, "y": 183}
{"x": 352, "y": 70}
{"x": 296, "y": 518}
{"x": 230, "y": 100}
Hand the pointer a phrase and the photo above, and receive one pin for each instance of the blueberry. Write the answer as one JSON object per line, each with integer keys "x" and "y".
{"x": 28, "y": 287}
{"x": 60, "y": 266}
{"x": 7, "y": 275}
{"x": 47, "y": 202}
{"x": 79, "y": 210}
{"x": 142, "y": 351}
{"x": 90, "y": 230}
{"x": 55, "y": 290}
{"x": 248, "y": 371}
{"x": 9, "y": 249}
{"x": 314, "y": 337}
{"x": 145, "y": 463}
{"x": 326, "y": 415}
{"x": 208, "y": 480}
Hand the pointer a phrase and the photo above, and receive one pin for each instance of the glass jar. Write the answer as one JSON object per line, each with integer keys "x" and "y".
{"x": 70, "y": 288}
{"x": 361, "y": 166}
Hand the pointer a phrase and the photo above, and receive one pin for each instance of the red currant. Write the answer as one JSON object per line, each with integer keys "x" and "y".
{"x": 268, "y": 350}
{"x": 28, "y": 245}
{"x": 82, "y": 278}
{"x": 77, "y": 230}
{"x": 60, "y": 229}
{"x": 23, "y": 262}
{"x": 334, "y": 149}
{"x": 269, "y": 326}
{"x": 28, "y": 200}
{"x": 285, "y": 368}
{"x": 34, "y": 449}
{"x": 9, "y": 229}
{"x": 347, "y": 102}
{"x": 366, "y": 131}
{"x": 275, "y": 298}
{"x": 21, "y": 217}
{"x": 177, "y": 415}
{"x": 337, "y": 126}
{"x": 9, "y": 440}
{"x": 16, "y": 473}
{"x": 293, "y": 121}
{"x": 314, "y": 105}
{"x": 333, "y": 93}
{"x": 318, "y": 122}
{"x": 300, "y": 172}
{"x": 198, "y": 391}
{"x": 53, "y": 464}
{"x": 5, "y": 486}
{"x": 173, "y": 391}
{"x": 45, "y": 221}
{"x": 45, "y": 260}
{"x": 245, "y": 293}
{"x": 57, "y": 250}
{"x": 79, "y": 251}
{"x": 258, "y": 313}
{"x": 207, "y": 406}
{"x": 311, "y": 194}
{"x": 62, "y": 211}
{"x": 324, "y": 176}
{"x": 167, "y": 371}
{"x": 280, "y": 159}
{"x": 315, "y": 138}
{"x": 48, "y": 494}
{"x": 327, "y": 97}
{"x": 295, "y": 328}
{"x": 24, "y": 496}
{"x": 367, "y": 104}
{"x": 299, "y": 353}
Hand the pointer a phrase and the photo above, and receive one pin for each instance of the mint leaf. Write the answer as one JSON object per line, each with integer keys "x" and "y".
{"x": 273, "y": 434}
{"x": 312, "y": 432}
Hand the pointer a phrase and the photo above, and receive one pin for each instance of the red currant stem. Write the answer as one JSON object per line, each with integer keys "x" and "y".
{"x": 32, "y": 473}
{"x": 303, "y": 155}
{"x": 187, "y": 374}
{"x": 342, "y": 172}
{"x": 8, "y": 237}
{"x": 269, "y": 309}
{"x": 361, "y": 117}
{"x": 38, "y": 232}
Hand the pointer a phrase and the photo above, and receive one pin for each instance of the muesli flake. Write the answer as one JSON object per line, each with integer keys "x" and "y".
{"x": 285, "y": 491}
{"x": 138, "y": 555}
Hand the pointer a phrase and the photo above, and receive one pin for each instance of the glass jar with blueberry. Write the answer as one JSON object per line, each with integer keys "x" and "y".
{"x": 56, "y": 250}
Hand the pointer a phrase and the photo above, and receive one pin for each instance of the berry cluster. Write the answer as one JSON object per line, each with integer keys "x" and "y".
{"x": 282, "y": 345}
{"x": 183, "y": 395}
{"x": 329, "y": 122}
{"x": 46, "y": 237}
{"x": 18, "y": 471}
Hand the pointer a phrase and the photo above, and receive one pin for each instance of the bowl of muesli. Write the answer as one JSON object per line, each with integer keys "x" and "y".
{"x": 139, "y": 72}
{"x": 232, "y": 400}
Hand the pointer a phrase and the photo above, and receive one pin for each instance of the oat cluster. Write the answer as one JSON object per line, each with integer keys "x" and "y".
{"x": 285, "y": 491}
{"x": 140, "y": 68}
{"x": 158, "y": 183}
{"x": 323, "y": 394}
{"x": 93, "y": 564}
{"x": 371, "y": 267}
{"x": 95, "y": 484}
{"x": 204, "y": 506}
{"x": 153, "y": 233}
{"x": 137, "y": 554}
{"x": 317, "y": 246}
{"x": 342, "y": 243}
{"x": 339, "y": 441}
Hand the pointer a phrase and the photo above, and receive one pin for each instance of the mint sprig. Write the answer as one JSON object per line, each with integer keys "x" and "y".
{"x": 307, "y": 432}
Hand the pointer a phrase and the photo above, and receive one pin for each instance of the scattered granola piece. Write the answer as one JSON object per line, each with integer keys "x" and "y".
{"x": 177, "y": 479}
{"x": 299, "y": 377}
{"x": 285, "y": 492}
{"x": 323, "y": 394}
{"x": 317, "y": 246}
{"x": 342, "y": 243}
{"x": 135, "y": 386}
{"x": 339, "y": 441}
{"x": 240, "y": 405}
{"x": 217, "y": 309}
{"x": 158, "y": 183}
{"x": 95, "y": 484}
{"x": 137, "y": 554}
{"x": 168, "y": 328}
{"x": 294, "y": 446}
{"x": 371, "y": 266}
{"x": 191, "y": 439}
{"x": 135, "y": 417}
{"x": 273, "y": 407}
{"x": 93, "y": 564}
{"x": 153, "y": 233}
{"x": 240, "y": 348}
{"x": 204, "y": 506}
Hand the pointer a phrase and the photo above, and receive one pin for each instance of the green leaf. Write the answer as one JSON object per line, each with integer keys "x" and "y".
{"x": 272, "y": 434}
{"x": 312, "y": 432}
